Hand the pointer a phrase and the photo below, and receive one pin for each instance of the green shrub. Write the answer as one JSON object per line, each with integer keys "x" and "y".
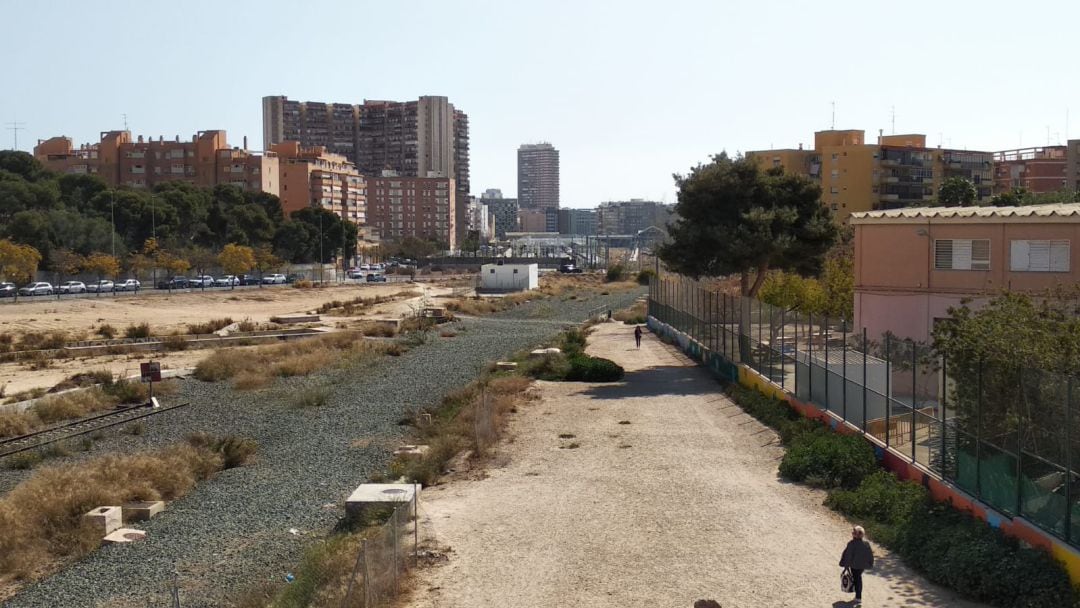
{"x": 106, "y": 331}
{"x": 616, "y": 273}
{"x": 584, "y": 368}
{"x": 235, "y": 451}
{"x": 883, "y": 502}
{"x": 126, "y": 391}
{"x": 828, "y": 459}
{"x": 573, "y": 342}
{"x": 955, "y": 549}
{"x": 645, "y": 275}
{"x": 772, "y": 412}
{"x": 311, "y": 396}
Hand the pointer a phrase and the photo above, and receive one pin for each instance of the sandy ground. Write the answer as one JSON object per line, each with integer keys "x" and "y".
{"x": 682, "y": 503}
{"x": 166, "y": 313}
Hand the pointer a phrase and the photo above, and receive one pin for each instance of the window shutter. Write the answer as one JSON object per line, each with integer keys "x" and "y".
{"x": 1059, "y": 256}
{"x": 1039, "y": 255}
{"x": 1018, "y": 256}
{"x": 980, "y": 254}
{"x": 943, "y": 255}
{"x": 961, "y": 255}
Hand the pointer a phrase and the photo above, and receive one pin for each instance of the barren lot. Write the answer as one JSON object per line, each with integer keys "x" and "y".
{"x": 167, "y": 313}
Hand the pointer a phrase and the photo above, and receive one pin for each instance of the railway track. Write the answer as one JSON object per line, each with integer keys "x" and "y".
{"x": 83, "y": 426}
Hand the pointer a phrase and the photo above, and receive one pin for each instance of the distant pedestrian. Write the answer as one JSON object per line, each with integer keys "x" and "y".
{"x": 637, "y": 335}
{"x": 857, "y": 556}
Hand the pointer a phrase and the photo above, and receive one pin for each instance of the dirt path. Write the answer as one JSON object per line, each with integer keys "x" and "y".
{"x": 682, "y": 503}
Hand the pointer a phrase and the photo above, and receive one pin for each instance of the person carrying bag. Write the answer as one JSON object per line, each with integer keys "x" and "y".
{"x": 857, "y": 557}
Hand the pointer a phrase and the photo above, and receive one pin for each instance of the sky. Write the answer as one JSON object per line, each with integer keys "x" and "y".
{"x": 630, "y": 92}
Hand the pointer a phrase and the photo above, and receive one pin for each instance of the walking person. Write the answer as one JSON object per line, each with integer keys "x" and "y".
{"x": 857, "y": 556}
{"x": 637, "y": 335}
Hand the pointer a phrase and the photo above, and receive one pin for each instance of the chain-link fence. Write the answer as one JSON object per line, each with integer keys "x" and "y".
{"x": 386, "y": 553}
{"x": 1002, "y": 432}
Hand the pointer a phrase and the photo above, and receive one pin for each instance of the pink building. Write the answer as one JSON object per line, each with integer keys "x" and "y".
{"x": 912, "y": 265}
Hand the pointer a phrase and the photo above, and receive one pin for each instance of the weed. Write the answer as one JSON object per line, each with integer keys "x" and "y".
{"x": 135, "y": 428}
{"x": 209, "y": 327}
{"x": 310, "y": 396}
{"x": 293, "y": 358}
{"x": 18, "y": 423}
{"x": 174, "y": 342}
{"x": 24, "y": 461}
{"x": 246, "y": 325}
{"x": 106, "y": 331}
{"x": 142, "y": 330}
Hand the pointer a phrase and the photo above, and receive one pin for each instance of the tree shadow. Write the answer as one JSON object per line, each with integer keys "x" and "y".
{"x": 654, "y": 382}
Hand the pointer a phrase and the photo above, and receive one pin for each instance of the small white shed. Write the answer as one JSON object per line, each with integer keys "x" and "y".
{"x": 509, "y": 277}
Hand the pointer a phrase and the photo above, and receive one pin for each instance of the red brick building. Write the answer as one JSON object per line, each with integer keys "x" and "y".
{"x": 423, "y": 207}
{"x": 1034, "y": 169}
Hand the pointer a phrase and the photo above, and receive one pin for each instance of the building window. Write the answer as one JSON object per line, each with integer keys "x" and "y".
{"x": 962, "y": 254}
{"x": 1039, "y": 256}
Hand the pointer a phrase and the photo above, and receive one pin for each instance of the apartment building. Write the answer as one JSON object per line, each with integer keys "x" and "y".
{"x": 580, "y": 222}
{"x": 207, "y": 160}
{"x": 428, "y": 136}
{"x": 313, "y": 177}
{"x": 1040, "y": 169}
{"x": 1072, "y": 165}
{"x": 631, "y": 217}
{"x": 897, "y": 171}
{"x": 480, "y": 219}
{"x": 533, "y": 220}
{"x": 538, "y": 176}
{"x": 504, "y": 211}
{"x": 400, "y": 206}
{"x": 912, "y": 265}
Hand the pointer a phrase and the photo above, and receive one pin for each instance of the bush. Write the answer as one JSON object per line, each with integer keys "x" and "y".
{"x": 142, "y": 330}
{"x": 548, "y": 367}
{"x": 209, "y": 327}
{"x": 584, "y": 368}
{"x": 174, "y": 342}
{"x": 234, "y": 451}
{"x": 573, "y": 342}
{"x": 126, "y": 391}
{"x": 645, "y": 276}
{"x": 616, "y": 273}
{"x": 828, "y": 459}
{"x": 311, "y": 396}
{"x": 955, "y": 549}
{"x": 106, "y": 331}
{"x": 885, "y": 503}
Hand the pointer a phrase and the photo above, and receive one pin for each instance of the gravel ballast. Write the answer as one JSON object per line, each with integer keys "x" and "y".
{"x": 252, "y": 523}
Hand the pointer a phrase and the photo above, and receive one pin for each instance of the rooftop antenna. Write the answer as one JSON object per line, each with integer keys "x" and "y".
{"x": 832, "y": 127}
{"x": 15, "y": 126}
{"x": 894, "y": 120}
{"x": 125, "y": 121}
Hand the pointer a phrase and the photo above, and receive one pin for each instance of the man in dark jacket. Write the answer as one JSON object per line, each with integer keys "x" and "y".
{"x": 858, "y": 556}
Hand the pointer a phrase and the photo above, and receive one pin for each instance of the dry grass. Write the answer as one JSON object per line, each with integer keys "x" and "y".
{"x": 293, "y": 358}
{"x": 377, "y": 330}
{"x": 42, "y": 516}
{"x": 357, "y": 305}
{"x": 209, "y": 327}
{"x": 633, "y": 315}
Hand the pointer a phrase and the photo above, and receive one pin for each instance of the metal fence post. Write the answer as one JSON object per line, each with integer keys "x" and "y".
{"x": 366, "y": 572}
{"x": 1068, "y": 459}
{"x": 865, "y": 380}
{"x": 395, "y": 524}
{"x": 352, "y": 579}
{"x": 914, "y": 390}
{"x": 1019, "y": 442}
{"x": 825, "y": 336}
{"x": 783, "y": 367}
{"x": 942, "y": 450}
{"x": 843, "y": 374}
{"x": 978, "y": 434}
{"x": 810, "y": 356}
{"x": 888, "y": 380}
{"x": 416, "y": 527}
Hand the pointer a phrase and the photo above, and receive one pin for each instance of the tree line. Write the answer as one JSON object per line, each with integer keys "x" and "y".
{"x": 77, "y": 220}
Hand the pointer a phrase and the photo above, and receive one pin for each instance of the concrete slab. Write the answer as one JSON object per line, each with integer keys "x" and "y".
{"x": 104, "y": 519}
{"x": 543, "y": 352}
{"x": 506, "y": 366}
{"x": 412, "y": 451}
{"x": 372, "y": 495}
{"x": 142, "y": 510}
{"x": 122, "y": 536}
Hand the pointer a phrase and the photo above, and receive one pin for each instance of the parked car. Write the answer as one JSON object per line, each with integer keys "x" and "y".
{"x": 274, "y": 279}
{"x": 127, "y": 285}
{"x": 250, "y": 279}
{"x": 292, "y": 278}
{"x": 100, "y": 286}
{"x": 7, "y": 290}
{"x": 228, "y": 280}
{"x": 376, "y": 278}
{"x": 174, "y": 283}
{"x": 355, "y": 273}
{"x": 204, "y": 280}
{"x": 37, "y": 289}
{"x": 71, "y": 287}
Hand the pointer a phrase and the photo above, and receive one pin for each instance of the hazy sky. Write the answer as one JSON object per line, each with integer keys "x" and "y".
{"x": 628, "y": 91}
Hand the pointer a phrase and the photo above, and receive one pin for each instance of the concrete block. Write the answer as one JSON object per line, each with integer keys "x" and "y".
{"x": 104, "y": 519}
{"x": 373, "y": 495}
{"x": 543, "y": 352}
{"x": 412, "y": 451}
{"x": 142, "y": 510}
{"x": 506, "y": 366}
{"x": 122, "y": 536}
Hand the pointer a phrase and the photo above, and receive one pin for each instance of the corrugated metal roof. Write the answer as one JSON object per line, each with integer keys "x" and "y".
{"x": 1057, "y": 210}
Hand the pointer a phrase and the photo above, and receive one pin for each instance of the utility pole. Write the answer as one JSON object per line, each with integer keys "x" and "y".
{"x": 112, "y": 215}
{"x": 15, "y": 126}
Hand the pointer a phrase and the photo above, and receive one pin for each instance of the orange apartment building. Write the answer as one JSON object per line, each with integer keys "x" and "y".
{"x": 897, "y": 171}
{"x": 206, "y": 160}
{"x": 912, "y": 265}
{"x": 312, "y": 177}
{"x": 423, "y": 207}
{"x": 1038, "y": 170}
